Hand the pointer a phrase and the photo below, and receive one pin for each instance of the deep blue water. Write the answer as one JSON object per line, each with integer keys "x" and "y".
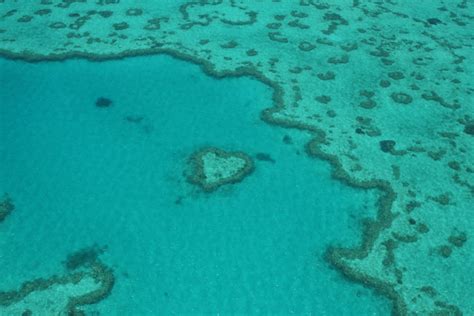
{"x": 81, "y": 175}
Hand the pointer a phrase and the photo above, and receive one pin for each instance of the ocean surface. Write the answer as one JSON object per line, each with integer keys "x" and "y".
{"x": 113, "y": 176}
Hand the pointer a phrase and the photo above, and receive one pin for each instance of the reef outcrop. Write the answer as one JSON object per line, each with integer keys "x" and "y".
{"x": 212, "y": 167}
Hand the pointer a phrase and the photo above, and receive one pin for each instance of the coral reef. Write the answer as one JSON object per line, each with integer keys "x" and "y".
{"x": 88, "y": 283}
{"x": 414, "y": 63}
{"x": 213, "y": 167}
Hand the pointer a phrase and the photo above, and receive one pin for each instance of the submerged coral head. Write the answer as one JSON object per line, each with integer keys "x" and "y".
{"x": 103, "y": 102}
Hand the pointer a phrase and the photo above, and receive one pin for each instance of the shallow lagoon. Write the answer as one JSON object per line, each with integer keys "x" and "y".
{"x": 81, "y": 175}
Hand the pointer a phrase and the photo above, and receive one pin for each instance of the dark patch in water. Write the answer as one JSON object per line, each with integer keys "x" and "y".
{"x": 126, "y": 275}
{"x": 27, "y": 312}
{"x": 434, "y": 21}
{"x": 387, "y": 145}
{"x": 134, "y": 118}
{"x": 83, "y": 257}
{"x": 148, "y": 129}
{"x": 264, "y": 157}
{"x": 359, "y": 131}
{"x": 103, "y": 102}
{"x": 469, "y": 129}
{"x": 287, "y": 140}
{"x": 6, "y": 207}
{"x": 179, "y": 200}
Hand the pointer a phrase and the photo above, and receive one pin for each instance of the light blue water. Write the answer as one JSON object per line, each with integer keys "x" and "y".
{"x": 81, "y": 175}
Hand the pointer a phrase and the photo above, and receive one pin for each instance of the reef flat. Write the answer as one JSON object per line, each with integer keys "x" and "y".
{"x": 213, "y": 167}
{"x": 385, "y": 87}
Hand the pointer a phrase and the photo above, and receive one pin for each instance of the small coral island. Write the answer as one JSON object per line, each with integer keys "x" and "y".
{"x": 6, "y": 207}
{"x": 212, "y": 167}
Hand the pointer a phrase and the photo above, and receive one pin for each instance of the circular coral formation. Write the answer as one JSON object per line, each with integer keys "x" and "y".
{"x": 306, "y": 46}
{"x": 134, "y": 12}
{"x": 401, "y": 98}
{"x": 213, "y": 167}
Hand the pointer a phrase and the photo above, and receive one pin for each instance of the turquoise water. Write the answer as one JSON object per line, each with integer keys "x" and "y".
{"x": 81, "y": 175}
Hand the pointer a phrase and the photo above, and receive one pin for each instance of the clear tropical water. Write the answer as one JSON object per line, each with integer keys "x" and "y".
{"x": 81, "y": 175}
